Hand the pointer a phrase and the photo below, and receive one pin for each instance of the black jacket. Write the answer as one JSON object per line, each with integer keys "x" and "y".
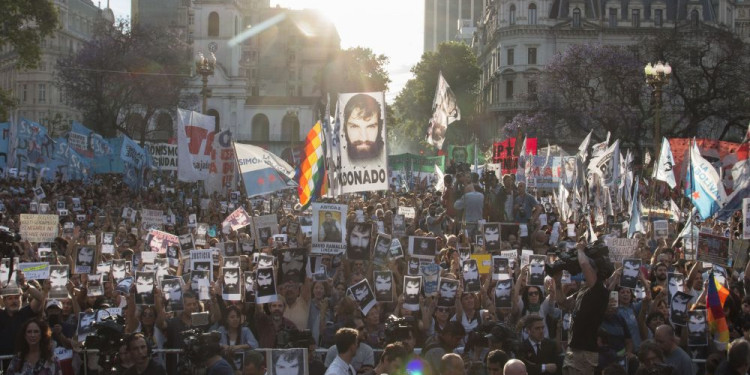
{"x": 548, "y": 353}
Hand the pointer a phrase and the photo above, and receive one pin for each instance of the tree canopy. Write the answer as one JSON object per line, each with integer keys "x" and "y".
{"x": 123, "y": 76}
{"x": 25, "y": 23}
{"x": 413, "y": 105}
{"x": 356, "y": 69}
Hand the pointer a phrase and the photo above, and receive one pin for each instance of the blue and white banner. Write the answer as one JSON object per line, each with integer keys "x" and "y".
{"x": 262, "y": 171}
{"x": 87, "y": 143}
{"x": 136, "y": 162}
{"x": 704, "y": 185}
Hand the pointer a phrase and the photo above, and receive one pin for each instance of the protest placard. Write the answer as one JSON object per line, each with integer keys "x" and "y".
{"x": 39, "y": 228}
{"x": 152, "y": 219}
{"x": 35, "y": 271}
{"x": 328, "y": 228}
{"x": 621, "y": 248}
{"x": 713, "y": 249}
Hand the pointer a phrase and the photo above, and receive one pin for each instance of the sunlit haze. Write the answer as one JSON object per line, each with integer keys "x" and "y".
{"x": 390, "y": 27}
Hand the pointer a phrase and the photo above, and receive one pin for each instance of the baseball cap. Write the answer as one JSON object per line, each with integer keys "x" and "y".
{"x": 54, "y": 303}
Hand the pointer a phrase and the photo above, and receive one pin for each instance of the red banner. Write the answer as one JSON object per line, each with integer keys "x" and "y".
{"x": 503, "y": 153}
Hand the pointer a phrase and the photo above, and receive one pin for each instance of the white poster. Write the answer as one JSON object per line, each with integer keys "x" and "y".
{"x": 264, "y": 227}
{"x": 195, "y": 134}
{"x": 163, "y": 154}
{"x": 237, "y": 219}
{"x": 359, "y": 144}
{"x": 328, "y": 228}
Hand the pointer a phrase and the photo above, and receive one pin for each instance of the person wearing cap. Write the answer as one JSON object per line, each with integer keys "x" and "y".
{"x": 14, "y": 315}
{"x": 62, "y": 331}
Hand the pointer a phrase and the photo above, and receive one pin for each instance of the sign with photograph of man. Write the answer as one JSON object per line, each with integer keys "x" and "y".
{"x": 697, "y": 328}
{"x": 678, "y": 308}
{"x": 172, "y": 291}
{"x": 358, "y": 241}
{"x": 536, "y": 270}
{"x": 265, "y": 290}
{"x": 412, "y": 286}
{"x": 363, "y": 295}
{"x": 447, "y": 292}
{"x": 383, "y": 286}
{"x": 144, "y": 287}
{"x": 58, "y": 279}
{"x": 382, "y": 248}
{"x": 264, "y": 227}
{"x": 287, "y": 362}
{"x": 86, "y": 322}
{"x": 713, "y": 249}
{"x": 328, "y": 228}
{"x": 500, "y": 267}
{"x": 292, "y": 264}
{"x": 85, "y": 259}
{"x": 502, "y": 293}
{"x": 471, "y": 276}
{"x": 360, "y": 142}
{"x": 631, "y": 269}
{"x": 491, "y": 236}
{"x": 422, "y": 247}
{"x": 230, "y": 290}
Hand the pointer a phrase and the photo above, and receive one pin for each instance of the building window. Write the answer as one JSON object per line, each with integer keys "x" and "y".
{"x": 532, "y": 90}
{"x": 42, "y": 93}
{"x": 694, "y": 17}
{"x": 191, "y": 19}
{"x": 291, "y": 90}
{"x": 510, "y": 56}
{"x": 290, "y": 128}
{"x": 636, "y": 18}
{"x": 25, "y": 93}
{"x": 213, "y": 24}
{"x": 532, "y": 14}
{"x": 508, "y": 90}
{"x": 612, "y": 17}
{"x": 658, "y": 17}
{"x": 532, "y": 55}
{"x": 512, "y": 14}
{"x": 259, "y": 128}
{"x": 577, "y": 17}
{"x": 254, "y": 91}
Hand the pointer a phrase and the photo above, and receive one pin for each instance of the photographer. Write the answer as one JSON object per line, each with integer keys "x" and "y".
{"x": 590, "y": 304}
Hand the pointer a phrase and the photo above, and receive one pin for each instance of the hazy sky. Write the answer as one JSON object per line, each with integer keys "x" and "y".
{"x": 390, "y": 27}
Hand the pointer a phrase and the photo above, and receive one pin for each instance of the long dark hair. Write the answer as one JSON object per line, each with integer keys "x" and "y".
{"x": 45, "y": 347}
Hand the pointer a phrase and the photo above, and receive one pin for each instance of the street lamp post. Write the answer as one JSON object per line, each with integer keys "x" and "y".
{"x": 205, "y": 67}
{"x": 656, "y": 77}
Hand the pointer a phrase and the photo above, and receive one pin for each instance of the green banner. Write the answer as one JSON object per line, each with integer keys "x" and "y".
{"x": 415, "y": 163}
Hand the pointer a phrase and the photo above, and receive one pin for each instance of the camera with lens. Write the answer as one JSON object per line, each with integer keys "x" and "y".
{"x": 107, "y": 339}
{"x": 199, "y": 346}
{"x": 567, "y": 260}
{"x": 8, "y": 242}
{"x": 398, "y": 329}
{"x": 489, "y": 178}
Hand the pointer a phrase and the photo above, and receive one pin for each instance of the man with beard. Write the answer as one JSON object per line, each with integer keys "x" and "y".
{"x": 697, "y": 328}
{"x": 297, "y": 302}
{"x": 359, "y": 242}
{"x": 13, "y": 316}
{"x": 331, "y": 231}
{"x": 363, "y": 128}
{"x": 492, "y": 237}
{"x": 502, "y": 293}
{"x": 471, "y": 277}
{"x": 630, "y": 271}
{"x": 383, "y": 286}
{"x": 231, "y": 281}
{"x": 266, "y": 284}
{"x": 272, "y": 319}
{"x": 411, "y": 291}
{"x": 85, "y": 259}
{"x": 293, "y": 264}
{"x": 659, "y": 275}
{"x": 679, "y": 305}
{"x": 382, "y": 247}
{"x": 536, "y": 270}
{"x": 447, "y": 293}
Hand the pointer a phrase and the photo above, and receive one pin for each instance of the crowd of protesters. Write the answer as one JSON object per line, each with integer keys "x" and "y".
{"x": 570, "y": 325}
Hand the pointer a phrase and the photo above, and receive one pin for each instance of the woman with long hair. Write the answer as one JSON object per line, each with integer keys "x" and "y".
{"x": 235, "y": 337}
{"x": 35, "y": 355}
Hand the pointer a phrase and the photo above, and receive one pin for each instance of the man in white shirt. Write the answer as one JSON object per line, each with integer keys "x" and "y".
{"x": 346, "y": 344}
{"x": 364, "y": 357}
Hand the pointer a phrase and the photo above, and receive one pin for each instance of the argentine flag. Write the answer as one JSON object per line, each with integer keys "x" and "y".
{"x": 704, "y": 187}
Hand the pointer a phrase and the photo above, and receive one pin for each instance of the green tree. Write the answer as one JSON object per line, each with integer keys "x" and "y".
{"x": 24, "y": 24}
{"x": 413, "y": 105}
{"x": 355, "y": 69}
{"x": 123, "y": 76}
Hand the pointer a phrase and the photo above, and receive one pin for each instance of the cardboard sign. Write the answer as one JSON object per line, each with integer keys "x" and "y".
{"x": 39, "y": 228}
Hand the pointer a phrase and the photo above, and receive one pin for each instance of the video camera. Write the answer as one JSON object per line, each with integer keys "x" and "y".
{"x": 398, "y": 329}
{"x": 107, "y": 339}
{"x": 567, "y": 260}
{"x": 199, "y": 346}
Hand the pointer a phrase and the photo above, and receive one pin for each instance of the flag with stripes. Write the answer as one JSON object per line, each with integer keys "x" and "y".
{"x": 311, "y": 173}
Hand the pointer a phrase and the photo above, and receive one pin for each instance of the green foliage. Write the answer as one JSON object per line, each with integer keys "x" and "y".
{"x": 413, "y": 105}
{"x": 24, "y": 24}
{"x": 123, "y": 76}
{"x": 355, "y": 69}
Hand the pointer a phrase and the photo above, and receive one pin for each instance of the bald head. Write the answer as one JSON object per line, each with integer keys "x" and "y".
{"x": 452, "y": 364}
{"x": 664, "y": 337}
{"x": 514, "y": 367}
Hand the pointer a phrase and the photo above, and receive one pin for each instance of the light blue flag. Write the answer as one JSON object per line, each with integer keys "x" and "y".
{"x": 704, "y": 187}
{"x": 635, "y": 214}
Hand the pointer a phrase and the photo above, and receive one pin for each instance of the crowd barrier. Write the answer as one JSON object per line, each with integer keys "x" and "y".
{"x": 320, "y": 353}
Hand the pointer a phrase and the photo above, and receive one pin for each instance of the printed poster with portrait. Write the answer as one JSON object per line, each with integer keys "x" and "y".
{"x": 359, "y": 241}
{"x": 328, "y": 228}
{"x": 363, "y": 295}
{"x": 713, "y": 249}
{"x": 85, "y": 259}
{"x": 697, "y": 328}
{"x": 422, "y": 247}
{"x": 287, "y": 362}
{"x": 383, "y": 286}
{"x": 264, "y": 227}
{"x": 292, "y": 264}
{"x": 359, "y": 144}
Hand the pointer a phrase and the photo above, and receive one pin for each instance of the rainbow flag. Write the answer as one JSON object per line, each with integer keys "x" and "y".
{"x": 311, "y": 173}
{"x": 715, "y": 298}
